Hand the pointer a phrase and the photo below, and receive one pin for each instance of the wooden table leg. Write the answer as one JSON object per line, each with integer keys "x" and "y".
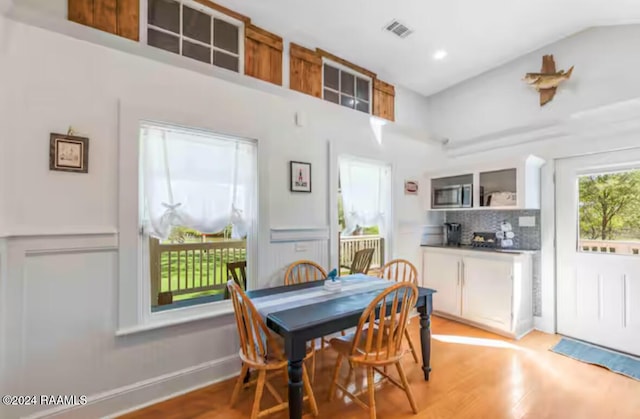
{"x": 296, "y": 350}
{"x": 425, "y": 340}
{"x": 295, "y": 389}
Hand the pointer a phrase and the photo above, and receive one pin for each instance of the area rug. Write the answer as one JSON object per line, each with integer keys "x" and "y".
{"x": 614, "y": 361}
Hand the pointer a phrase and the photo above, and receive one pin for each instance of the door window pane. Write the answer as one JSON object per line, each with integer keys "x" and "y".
{"x": 331, "y": 96}
{"x": 164, "y": 14}
{"x": 225, "y": 36}
{"x": 196, "y": 25}
{"x": 347, "y": 82}
{"x": 163, "y": 40}
{"x": 196, "y": 51}
{"x": 609, "y": 213}
{"x": 331, "y": 77}
{"x": 225, "y": 61}
{"x": 362, "y": 89}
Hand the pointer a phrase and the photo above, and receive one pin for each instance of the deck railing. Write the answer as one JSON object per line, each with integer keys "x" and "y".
{"x": 189, "y": 268}
{"x": 349, "y": 245}
{"x": 610, "y": 246}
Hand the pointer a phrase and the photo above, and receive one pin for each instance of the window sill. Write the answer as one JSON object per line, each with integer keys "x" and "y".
{"x": 180, "y": 316}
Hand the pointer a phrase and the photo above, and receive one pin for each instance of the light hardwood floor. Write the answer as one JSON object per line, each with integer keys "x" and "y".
{"x": 476, "y": 374}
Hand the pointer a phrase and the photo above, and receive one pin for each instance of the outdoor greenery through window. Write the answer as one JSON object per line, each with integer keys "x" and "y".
{"x": 199, "y": 193}
{"x": 609, "y": 212}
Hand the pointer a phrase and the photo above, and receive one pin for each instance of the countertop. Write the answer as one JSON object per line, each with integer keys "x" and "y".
{"x": 481, "y": 249}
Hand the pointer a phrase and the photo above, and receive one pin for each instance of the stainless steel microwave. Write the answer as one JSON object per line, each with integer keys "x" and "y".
{"x": 456, "y": 196}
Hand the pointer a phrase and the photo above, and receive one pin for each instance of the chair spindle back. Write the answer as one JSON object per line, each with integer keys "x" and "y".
{"x": 304, "y": 271}
{"x": 375, "y": 343}
{"x": 400, "y": 270}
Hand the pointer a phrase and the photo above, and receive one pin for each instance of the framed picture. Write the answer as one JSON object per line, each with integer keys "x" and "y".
{"x": 300, "y": 176}
{"x": 69, "y": 153}
{"x": 410, "y": 187}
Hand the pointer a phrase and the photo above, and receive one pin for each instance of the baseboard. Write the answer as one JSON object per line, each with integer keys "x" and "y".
{"x": 113, "y": 403}
{"x": 544, "y": 324}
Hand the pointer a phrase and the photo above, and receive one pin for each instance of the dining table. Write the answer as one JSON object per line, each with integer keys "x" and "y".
{"x": 303, "y": 312}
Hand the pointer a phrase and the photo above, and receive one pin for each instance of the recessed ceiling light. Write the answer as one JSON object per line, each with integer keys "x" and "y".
{"x": 439, "y": 54}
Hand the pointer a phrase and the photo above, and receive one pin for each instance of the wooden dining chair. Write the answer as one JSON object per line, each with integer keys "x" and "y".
{"x": 401, "y": 270}
{"x": 374, "y": 347}
{"x": 238, "y": 272}
{"x": 361, "y": 262}
{"x": 304, "y": 271}
{"x": 262, "y": 351}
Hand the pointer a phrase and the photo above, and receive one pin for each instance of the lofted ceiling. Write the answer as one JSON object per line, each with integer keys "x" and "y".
{"x": 477, "y": 35}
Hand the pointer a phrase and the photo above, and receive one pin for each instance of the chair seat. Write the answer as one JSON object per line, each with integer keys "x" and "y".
{"x": 276, "y": 358}
{"x": 344, "y": 345}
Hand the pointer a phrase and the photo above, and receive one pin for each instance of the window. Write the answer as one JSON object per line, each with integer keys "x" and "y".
{"x": 198, "y": 203}
{"x": 364, "y": 207}
{"x": 195, "y": 31}
{"x": 346, "y": 87}
{"x": 609, "y": 212}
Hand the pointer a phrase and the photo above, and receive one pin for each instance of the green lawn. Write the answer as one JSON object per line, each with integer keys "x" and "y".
{"x": 194, "y": 270}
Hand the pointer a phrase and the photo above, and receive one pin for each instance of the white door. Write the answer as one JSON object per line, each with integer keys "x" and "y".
{"x": 598, "y": 241}
{"x": 442, "y": 273}
{"x": 487, "y": 289}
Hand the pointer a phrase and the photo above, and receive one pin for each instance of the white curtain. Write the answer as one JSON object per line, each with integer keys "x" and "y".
{"x": 366, "y": 192}
{"x": 196, "y": 179}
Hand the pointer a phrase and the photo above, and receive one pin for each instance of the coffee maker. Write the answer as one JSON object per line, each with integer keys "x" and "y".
{"x": 453, "y": 233}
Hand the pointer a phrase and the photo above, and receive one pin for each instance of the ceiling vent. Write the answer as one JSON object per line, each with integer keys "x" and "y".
{"x": 398, "y": 29}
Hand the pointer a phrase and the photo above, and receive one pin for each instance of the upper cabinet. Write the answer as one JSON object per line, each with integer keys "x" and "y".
{"x": 514, "y": 185}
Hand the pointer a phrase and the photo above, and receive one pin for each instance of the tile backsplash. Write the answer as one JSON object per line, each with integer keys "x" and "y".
{"x": 526, "y": 238}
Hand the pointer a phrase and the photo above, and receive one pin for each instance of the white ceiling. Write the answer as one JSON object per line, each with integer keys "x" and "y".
{"x": 478, "y": 35}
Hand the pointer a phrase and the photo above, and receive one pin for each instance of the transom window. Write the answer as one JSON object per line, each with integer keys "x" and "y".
{"x": 189, "y": 29}
{"x": 346, "y": 88}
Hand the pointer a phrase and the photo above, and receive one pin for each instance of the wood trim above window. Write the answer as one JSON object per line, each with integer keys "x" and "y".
{"x": 119, "y": 17}
{"x": 384, "y": 100}
{"x": 385, "y": 87}
{"x": 325, "y": 54}
{"x": 215, "y": 6}
{"x": 305, "y": 70}
{"x": 263, "y": 37}
{"x": 262, "y": 54}
{"x": 305, "y": 54}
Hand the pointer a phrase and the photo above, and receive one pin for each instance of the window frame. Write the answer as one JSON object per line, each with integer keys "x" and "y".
{"x": 343, "y": 68}
{"x": 213, "y": 13}
{"x": 134, "y": 284}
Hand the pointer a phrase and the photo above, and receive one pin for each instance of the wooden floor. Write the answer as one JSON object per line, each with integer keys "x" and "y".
{"x": 475, "y": 375}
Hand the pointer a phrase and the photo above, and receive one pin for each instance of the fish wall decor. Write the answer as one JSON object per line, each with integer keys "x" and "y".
{"x": 546, "y": 82}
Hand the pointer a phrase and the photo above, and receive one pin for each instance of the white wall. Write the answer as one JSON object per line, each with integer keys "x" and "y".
{"x": 606, "y": 59}
{"x": 59, "y": 291}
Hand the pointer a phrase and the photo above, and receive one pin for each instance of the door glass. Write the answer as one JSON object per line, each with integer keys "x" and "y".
{"x": 609, "y": 213}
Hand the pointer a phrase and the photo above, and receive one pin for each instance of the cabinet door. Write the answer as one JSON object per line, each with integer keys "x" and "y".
{"x": 441, "y": 272}
{"x": 487, "y": 290}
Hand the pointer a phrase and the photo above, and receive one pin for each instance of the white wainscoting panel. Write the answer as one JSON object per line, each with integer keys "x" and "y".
{"x": 281, "y": 255}
{"x": 59, "y": 316}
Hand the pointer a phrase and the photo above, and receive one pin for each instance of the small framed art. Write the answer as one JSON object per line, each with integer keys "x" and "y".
{"x": 300, "y": 174}
{"x": 69, "y": 153}
{"x": 411, "y": 187}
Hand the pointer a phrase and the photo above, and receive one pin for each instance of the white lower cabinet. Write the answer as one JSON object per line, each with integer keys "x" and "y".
{"x": 491, "y": 290}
